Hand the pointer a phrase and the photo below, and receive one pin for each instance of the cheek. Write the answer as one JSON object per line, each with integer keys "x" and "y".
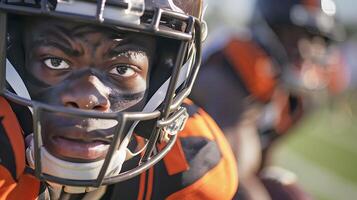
{"x": 42, "y": 74}
{"x": 47, "y": 95}
{"x": 131, "y": 98}
{"x": 42, "y": 83}
{"x": 138, "y": 85}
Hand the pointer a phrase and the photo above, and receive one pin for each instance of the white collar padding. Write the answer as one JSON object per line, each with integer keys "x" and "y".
{"x": 77, "y": 171}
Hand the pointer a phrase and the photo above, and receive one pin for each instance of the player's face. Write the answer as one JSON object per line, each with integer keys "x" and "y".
{"x": 87, "y": 67}
{"x": 302, "y": 46}
{"x": 309, "y": 55}
{"x": 290, "y": 36}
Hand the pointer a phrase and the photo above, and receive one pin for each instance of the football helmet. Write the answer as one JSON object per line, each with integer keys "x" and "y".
{"x": 299, "y": 34}
{"x": 177, "y": 24}
{"x": 315, "y": 16}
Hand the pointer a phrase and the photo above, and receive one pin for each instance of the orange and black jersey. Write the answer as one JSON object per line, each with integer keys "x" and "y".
{"x": 258, "y": 74}
{"x": 200, "y": 165}
{"x": 15, "y": 183}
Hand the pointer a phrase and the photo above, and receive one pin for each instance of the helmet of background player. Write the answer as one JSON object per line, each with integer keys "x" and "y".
{"x": 304, "y": 31}
{"x": 167, "y": 30}
{"x": 315, "y": 16}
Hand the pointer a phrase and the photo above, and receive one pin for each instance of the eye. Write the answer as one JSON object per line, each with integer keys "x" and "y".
{"x": 56, "y": 63}
{"x": 123, "y": 70}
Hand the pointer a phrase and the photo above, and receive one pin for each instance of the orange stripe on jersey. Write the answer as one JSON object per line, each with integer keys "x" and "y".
{"x": 175, "y": 161}
{"x": 142, "y": 186}
{"x": 27, "y": 186}
{"x": 150, "y": 184}
{"x": 188, "y": 101}
{"x": 14, "y": 133}
{"x": 221, "y": 182}
{"x": 7, "y": 184}
{"x": 196, "y": 127}
{"x": 254, "y": 67}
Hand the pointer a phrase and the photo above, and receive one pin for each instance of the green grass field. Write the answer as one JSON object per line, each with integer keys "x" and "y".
{"x": 322, "y": 150}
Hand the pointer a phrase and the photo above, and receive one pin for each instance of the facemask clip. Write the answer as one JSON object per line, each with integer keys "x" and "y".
{"x": 173, "y": 125}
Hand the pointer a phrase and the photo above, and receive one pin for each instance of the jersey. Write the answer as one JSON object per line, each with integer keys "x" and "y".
{"x": 201, "y": 165}
{"x": 245, "y": 73}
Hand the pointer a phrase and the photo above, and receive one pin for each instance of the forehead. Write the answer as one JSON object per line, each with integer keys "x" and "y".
{"x": 39, "y": 30}
{"x": 38, "y": 25}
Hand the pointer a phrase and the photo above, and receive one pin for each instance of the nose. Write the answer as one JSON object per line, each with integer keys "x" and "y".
{"x": 87, "y": 93}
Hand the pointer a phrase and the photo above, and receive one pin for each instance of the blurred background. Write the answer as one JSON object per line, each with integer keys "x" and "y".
{"x": 322, "y": 150}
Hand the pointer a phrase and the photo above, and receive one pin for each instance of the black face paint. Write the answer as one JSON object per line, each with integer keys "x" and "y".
{"x": 30, "y": 78}
{"x": 126, "y": 101}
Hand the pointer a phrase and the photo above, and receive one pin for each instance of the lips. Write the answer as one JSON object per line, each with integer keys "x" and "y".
{"x": 76, "y": 144}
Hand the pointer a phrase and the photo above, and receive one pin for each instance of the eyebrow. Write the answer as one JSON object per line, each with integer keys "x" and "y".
{"x": 67, "y": 50}
{"x": 121, "y": 49}
{"x": 57, "y": 40}
{"x": 131, "y": 54}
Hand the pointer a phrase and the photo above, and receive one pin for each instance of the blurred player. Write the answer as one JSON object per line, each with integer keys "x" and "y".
{"x": 254, "y": 84}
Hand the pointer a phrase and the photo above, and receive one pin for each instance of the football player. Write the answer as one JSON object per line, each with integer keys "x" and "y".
{"x": 93, "y": 103}
{"x": 260, "y": 80}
